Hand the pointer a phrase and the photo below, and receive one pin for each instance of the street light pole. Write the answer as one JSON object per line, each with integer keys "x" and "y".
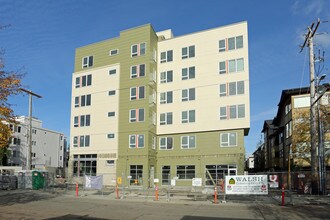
{"x": 29, "y": 148}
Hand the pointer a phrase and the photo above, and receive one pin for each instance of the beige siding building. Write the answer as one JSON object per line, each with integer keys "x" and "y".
{"x": 149, "y": 106}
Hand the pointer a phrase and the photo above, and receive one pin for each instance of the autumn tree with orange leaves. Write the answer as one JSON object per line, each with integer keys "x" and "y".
{"x": 10, "y": 84}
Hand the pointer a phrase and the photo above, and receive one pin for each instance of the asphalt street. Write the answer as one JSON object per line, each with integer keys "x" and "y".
{"x": 28, "y": 204}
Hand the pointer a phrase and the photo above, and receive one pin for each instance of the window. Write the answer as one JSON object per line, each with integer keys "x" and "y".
{"x": 231, "y": 43}
{"x": 138, "y": 49}
{"x": 235, "y": 43}
{"x": 223, "y": 113}
{"x": 166, "y": 56}
{"x": 236, "y": 111}
{"x": 166, "y": 77}
{"x": 110, "y": 162}
{"x": 236, "y": 65}
{"x": 222, "y": 45}
{"x": 89, "y": 80}
{"x": 185, "y": 172}
{"x": 287, "y": 108}
{"x": 84, "y": 164}
{"x": 136, "y": 115}
{"x": 166, "y": 143}
{"x": 166, "y": 175}
{"x": 218, "y": 173}
{"x": 112, "y": 92}
{"x": 87, "y": 61}
{"x": 166, "y": 118}
{"x": 76, "y": 122}
{"x": 111, "y": 114}
{"x": 234, "y": 88}
{"x": 113, "y": 52}
{"x": 222, "y": 67}
{"x": 228, "y": 139}
{"x": 75, "y": 141}
{"x": 223, "y": 90}
{"x": 188, "y": 73}
{"x": 188, "y": 142}
{"x": 77, "y": 82}
{"x": 85, "y": 120}
{"x": 111, "y": 136}
{"x": 84, "y": 141}
{"x": 188, "y": 94}
{"x": 138, "y": 71}
{"x": 136, "y": 172}
{"x": 166, "y": 97}
{"x": 136, "y": 141}
{"x": 112, "y": 71}
{"x": 188, "y": 52}
{"x": 137, "y": 93}
{"x": 188, "y": 116}
{"x": 239, "y": 42}
{"x": 288, "y": 129}
{"x": 85, "y": 100}
{"x": 233, "y": 111}
{"x": 83, "y": 81}
{"x": 76, "y": 101}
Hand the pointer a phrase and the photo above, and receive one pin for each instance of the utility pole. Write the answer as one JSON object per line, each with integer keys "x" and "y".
{"x": 314, "y": 162}
{"x": 29, "y": 148}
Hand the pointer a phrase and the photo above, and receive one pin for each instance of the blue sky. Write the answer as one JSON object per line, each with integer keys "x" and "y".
{"x": 44, "y": 34}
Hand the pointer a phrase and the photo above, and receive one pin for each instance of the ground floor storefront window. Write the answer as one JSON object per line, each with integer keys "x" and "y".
{"x": 185, "y": 172}
{"x": 84, "y": 164}
{"x": 136, "y": 175}
{"x": 216, "y": 173}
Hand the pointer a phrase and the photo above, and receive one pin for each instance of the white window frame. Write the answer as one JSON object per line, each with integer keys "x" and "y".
{"x": 166, "y": 116}
{"x": 137, "y": 138}
{"x": 88, "y": 62}
{"x": 141, "y": 49}
{"x": 227, "y": 143}
{"x": 111, "y": 114}
{"x": 188, "y": 119}
{"x": 113, "y": 52}
{"x": 187, "y": 54}
{"x": 166, "y": 145}
{"x": 138, "y": 71}
{"x": 235, "y": 65}
{"x": 221, "y": 48}
{"x": 188, "y": 144}
{"x": 166, "y": 59}
{"x": 223, "y": 116}
{"x": 112, "y": 71}
{"x": 164, "y": 76}
{"x": 187, "y": 97}
{"x": 138, "y": 93}
{"x": 221, "y": 70}
{"x": 134, "y": 115}
{"x": 164, "y": 97}
{"x": 186, "y": 73}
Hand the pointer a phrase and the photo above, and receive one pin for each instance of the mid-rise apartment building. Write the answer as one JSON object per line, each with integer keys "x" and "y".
{"x": 288, "y": 134}
{"x": 147, "y": 105}
{"x": 48, "y": 146}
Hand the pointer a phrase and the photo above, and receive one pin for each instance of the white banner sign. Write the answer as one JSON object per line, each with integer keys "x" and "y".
{"x": 247, "y": 184}
{"x": 93, "y": 182}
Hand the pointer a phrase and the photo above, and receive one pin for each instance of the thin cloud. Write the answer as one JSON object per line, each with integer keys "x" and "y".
{"x": 307, "y": 7}
{"x": 265, "y": 115}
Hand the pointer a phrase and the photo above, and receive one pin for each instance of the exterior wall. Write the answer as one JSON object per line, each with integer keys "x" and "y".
{"x": 47, "y": 146}
{"x": 206, "y": 82}
{"x": 207, "y": 127}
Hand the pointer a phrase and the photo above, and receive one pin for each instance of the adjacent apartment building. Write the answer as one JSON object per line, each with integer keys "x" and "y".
{"x": 288, "y": 134}
{"x": 148, "y": 107}
{"x": 48, "y": 146}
